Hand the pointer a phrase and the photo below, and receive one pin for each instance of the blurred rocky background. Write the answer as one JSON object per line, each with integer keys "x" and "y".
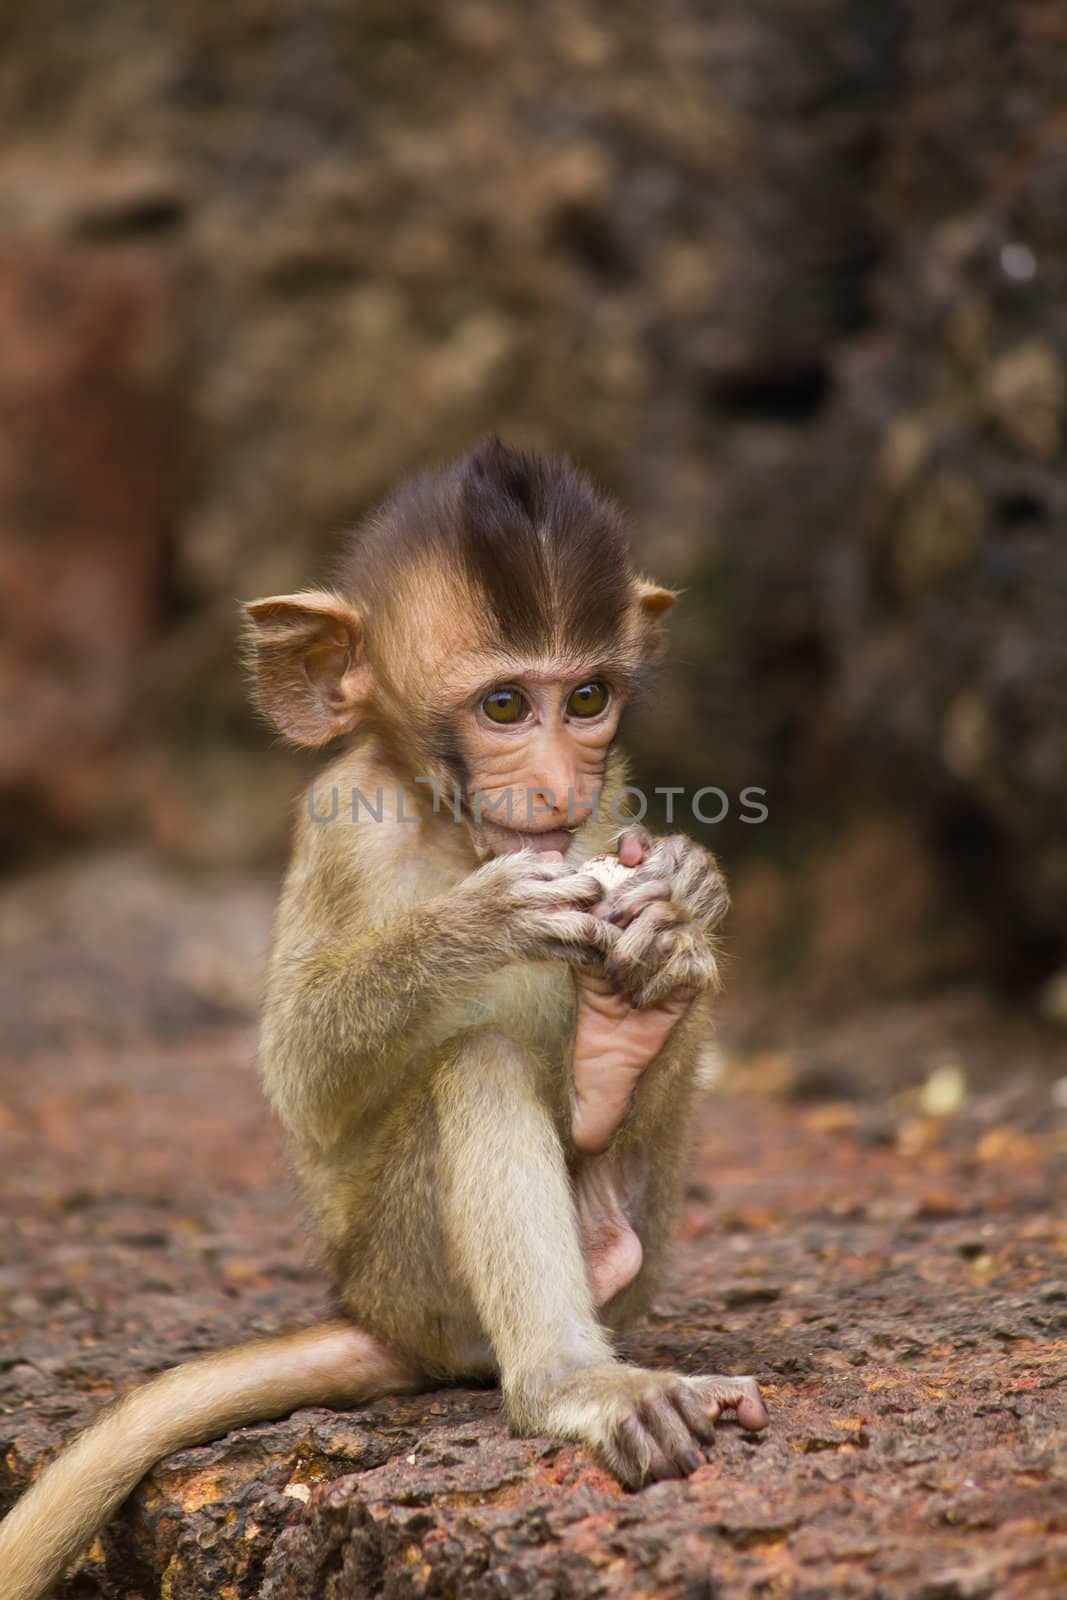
{"x": 791, "y": 280}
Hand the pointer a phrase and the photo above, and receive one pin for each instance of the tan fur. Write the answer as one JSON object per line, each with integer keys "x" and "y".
{"x": 419, "y": 1045}
{"x": 427, "y": 1094}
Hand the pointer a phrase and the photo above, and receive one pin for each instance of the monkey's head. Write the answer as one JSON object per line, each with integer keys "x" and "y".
{"x": 487, "y": 626}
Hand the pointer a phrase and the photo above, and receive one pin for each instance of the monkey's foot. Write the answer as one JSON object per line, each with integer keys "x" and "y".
{"x": 613, "y": 1044}
{"x": 604, "y": 1186}
{"x": 649, "y": 1425}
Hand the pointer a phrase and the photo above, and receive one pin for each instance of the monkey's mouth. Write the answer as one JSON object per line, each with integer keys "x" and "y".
{"x": 555, "y": 839}
{"x": 505, "y": 841}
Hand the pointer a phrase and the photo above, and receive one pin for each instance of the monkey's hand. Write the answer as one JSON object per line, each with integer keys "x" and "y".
{"x": 668, "y": 909}
{"x": 648, "y": 1425}
{"x": 542, "y": 909}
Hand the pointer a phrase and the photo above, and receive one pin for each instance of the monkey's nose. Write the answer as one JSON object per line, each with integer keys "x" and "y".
{"x": 561, "y": 804}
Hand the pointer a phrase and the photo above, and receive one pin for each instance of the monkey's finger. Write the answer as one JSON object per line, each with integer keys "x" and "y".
{"x": 599, "y": 934}
{"x": 581, "y": 888}
{"x": 588, "y": 962}
{"x": 664, "y": 981}
{"x": 644, "y": 986}
{"x": 633, "y": 961}
{"x": 703, "y": 892}
{"x": 564, "y": 928}
{"x": 676, "y": 967}
{"x": 696, "y": 881}
{"x": 644, "y": 932}
{"x": 578, "y": 891}
{"x": 638, "y": 1448}
{"x": 693, "y": 1411}
{"x": 662, "y": 856}
{"x": 628, "y": 1451}
{"x": 735, "y": 1394}
{"x": 670, "y": 1432}
{"x": 628, "y": 903}
{"x": 658, "y": 866}
{"x": 633, "y": 845}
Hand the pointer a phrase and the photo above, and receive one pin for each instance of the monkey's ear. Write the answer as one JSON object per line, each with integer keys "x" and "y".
{"x": 311, "y": 671}
{"x": 652, "y": 602}
{"x": 652, "y": 599}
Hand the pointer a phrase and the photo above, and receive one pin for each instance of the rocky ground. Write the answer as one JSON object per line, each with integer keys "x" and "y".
{"x": 874, "y": 1227}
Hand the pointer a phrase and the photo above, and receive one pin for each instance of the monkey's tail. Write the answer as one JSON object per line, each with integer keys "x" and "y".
{"x": 333, "y": 1363}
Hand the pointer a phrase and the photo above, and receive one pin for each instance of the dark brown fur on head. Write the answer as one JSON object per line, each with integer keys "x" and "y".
{"x": 532, "y": 535}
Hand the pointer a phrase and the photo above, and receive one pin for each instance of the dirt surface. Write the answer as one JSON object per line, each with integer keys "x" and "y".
{"x": 874, "y": 1227}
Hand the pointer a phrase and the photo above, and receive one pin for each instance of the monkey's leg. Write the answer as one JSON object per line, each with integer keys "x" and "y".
{"x": 332, "y": 1364}
{"x": 606, "y": 1190}
{"x": 511, "y": 1228}
{"x": 613, "y": 1045}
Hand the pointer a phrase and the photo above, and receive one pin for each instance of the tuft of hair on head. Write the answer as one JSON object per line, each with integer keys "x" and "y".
{"x": 528, "y": 531}
{"x": 545, "y": 546}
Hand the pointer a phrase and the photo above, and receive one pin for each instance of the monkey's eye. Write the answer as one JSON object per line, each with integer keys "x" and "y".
{"x": 505, "y": 705}
{"x": 588, "y": 700}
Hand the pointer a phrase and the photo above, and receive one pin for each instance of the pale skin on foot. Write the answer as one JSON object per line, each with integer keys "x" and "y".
{"x": 616, "y": 1038}
{"x": 484, "y": 1063}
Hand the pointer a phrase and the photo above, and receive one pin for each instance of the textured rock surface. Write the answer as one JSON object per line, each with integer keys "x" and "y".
{"x": 87, "y": 481}
{"x": 875, "y": 1226}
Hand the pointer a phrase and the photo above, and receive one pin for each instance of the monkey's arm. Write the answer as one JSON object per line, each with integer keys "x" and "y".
{"x": 336, "y": 1010}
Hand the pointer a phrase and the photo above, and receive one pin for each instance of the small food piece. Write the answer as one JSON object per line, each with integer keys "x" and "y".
{"x": 608, "y": 871}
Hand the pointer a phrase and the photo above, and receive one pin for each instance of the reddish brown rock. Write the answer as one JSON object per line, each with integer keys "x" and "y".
{"x": 87, "y": 485}
{"x": 894, "y": 1278}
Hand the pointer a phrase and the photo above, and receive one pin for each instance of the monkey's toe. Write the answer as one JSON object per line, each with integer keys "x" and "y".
{"x": 665, "y": 1423}
{"x": 740, "y": 1395}
{"x": 650, "y": 1448}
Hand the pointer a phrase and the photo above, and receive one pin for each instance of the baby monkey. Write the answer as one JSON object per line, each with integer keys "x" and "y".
{"x": 482, "y": 1038}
